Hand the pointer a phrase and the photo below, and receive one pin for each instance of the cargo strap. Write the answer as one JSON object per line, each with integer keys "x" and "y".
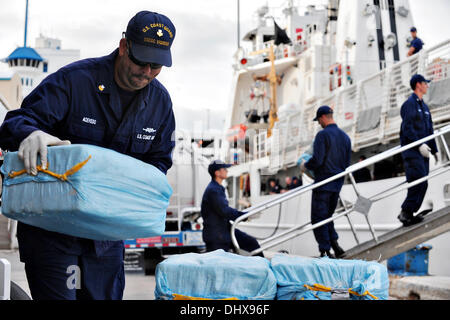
{"x": 319, "y": 287}
{"x": 62, "y": 177}
{"x": 183, "y": 297}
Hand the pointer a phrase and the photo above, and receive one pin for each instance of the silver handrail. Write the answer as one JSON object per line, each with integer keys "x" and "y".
{"x": 297, "y": 230}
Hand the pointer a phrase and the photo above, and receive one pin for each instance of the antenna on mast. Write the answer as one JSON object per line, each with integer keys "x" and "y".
{"x": 26, "y": 25}
{"x": 238, "y": 26}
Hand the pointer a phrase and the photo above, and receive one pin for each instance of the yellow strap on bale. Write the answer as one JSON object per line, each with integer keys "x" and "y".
{"x": 183, "y": 297}
{"x": 319, "y": 287}
{"x": 62, "y": 177}
{"x": 364, "y": 294}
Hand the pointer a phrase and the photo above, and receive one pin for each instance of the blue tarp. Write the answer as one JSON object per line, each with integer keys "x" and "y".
{"x": 366, "y": 278}
{"x": 112, "y": 197}
{"x": 215, "y": 275}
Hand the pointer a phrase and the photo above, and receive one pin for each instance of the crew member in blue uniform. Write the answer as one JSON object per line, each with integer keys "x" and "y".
{"x": 217, "y": 214}
{"x": 113, "y": 102}
{"x": 416, "y": 43}
{"x": 416, "y": 124}
{"x": 331, "y": 155}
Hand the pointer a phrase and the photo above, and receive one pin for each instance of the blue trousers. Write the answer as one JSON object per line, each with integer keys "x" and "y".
{"x": 62, "y": 267}
{"x": 323, "y": 204}
{"x": 245, "y": 241}
{"x": 415, "y": 168}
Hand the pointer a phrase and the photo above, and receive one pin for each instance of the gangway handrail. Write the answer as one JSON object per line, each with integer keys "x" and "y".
{"x": 349, "y": 171}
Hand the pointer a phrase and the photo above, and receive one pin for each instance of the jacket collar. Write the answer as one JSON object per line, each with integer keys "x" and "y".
{"x": 416, "y": 98}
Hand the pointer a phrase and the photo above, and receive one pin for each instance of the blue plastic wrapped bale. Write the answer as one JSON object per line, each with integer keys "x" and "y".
{"x": 301, "y": 278}
{"x": 106, "y": 195}
{"x": 215, "y": 275}
{"x": 305, "y": 158}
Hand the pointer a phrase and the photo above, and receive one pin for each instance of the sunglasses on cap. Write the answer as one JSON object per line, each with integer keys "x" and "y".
{"x": 141, "y": 63}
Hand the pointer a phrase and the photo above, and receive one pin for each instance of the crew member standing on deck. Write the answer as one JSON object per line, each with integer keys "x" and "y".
{"x": 416, "y": 124}
{"x": 332, "y": 152}
{"x": 113, "y": 102}
{"x": 416, "y": 43}
{"x": 217, "y": 214}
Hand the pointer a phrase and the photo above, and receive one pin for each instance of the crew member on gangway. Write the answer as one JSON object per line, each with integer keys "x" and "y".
{"x": 331, "y": 155}
{"x": 217, "y": 214}
{"x": 416, "y": 124}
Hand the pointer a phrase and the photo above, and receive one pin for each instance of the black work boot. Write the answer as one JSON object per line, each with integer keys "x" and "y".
{"x": 327, "y": 253}
{"x": 338, "y": 251}
{"x": 405, "y": 217}
{"x": 408, "y": 218}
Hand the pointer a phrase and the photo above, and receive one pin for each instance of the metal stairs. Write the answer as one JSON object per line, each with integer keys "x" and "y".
{"x": 403, "y": 238}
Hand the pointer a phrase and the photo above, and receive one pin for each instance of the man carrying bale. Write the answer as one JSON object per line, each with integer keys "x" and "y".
{"x": 113, "y": 102}
{"x": 332, "y": 152}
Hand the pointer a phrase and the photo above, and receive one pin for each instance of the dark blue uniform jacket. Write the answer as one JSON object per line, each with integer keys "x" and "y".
{"x": 417, "y": 44}
{"x": 80, "y": 103}
{"x": 416, "y": 124}
{"x": 216, "y": 214}
{"x": 332, "y": 152}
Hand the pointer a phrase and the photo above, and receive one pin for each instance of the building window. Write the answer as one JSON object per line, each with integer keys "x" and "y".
{"x": 28, "y": 62}
{"x": 21, "y": 62}
{"x": 45, "y": 66}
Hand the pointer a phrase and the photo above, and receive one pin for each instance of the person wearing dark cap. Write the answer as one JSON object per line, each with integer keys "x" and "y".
{"x": 331, "y": 155}
{"x": 416, "y": 43}
{"x": 114, "y": 102}
{"x": 217, "y": 214}
{"x": 416, "y": 124}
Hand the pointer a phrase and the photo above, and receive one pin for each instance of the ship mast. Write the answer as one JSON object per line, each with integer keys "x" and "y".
{"x": 273, "y": 117}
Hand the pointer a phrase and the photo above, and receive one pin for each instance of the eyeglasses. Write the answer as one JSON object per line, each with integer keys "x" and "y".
{"x": 141, "y": 63}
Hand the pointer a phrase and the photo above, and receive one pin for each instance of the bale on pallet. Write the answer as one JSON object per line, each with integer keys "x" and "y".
{"x": 89, "y": 192}
{"x": 301, "y": 278}
{"x": 214, "y": 275}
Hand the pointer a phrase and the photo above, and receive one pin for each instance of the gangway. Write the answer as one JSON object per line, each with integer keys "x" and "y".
{"x": 378, "y": 248}
{"x": 402, "y": 239}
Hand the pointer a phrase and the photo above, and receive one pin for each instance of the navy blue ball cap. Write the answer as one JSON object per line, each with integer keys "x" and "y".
{"x": 217, "y": 165}
{"x": 321, "y": 111}
{"x": 413, "y": 29}
{"x": 151, "y": 35}
{"x": 417, "y": 78}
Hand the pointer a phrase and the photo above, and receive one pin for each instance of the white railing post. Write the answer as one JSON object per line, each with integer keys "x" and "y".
{"x": 5, "y": 279}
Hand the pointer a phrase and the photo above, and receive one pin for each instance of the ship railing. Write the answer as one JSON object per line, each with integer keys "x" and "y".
{"x": 362, "y": 204}
{"x": 381, "y": 95}
{"x": 369, "y": 110}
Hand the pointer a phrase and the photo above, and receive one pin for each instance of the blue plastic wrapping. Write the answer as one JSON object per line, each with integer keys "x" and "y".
{"x": 215, "y": 275}
{"x": 305, "y": 158}
{"x": 367, "y": 280}
{"x": 112, "y": 197}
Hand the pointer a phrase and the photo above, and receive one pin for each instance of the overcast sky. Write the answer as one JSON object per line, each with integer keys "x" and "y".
{"x": 206, "y": 35}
